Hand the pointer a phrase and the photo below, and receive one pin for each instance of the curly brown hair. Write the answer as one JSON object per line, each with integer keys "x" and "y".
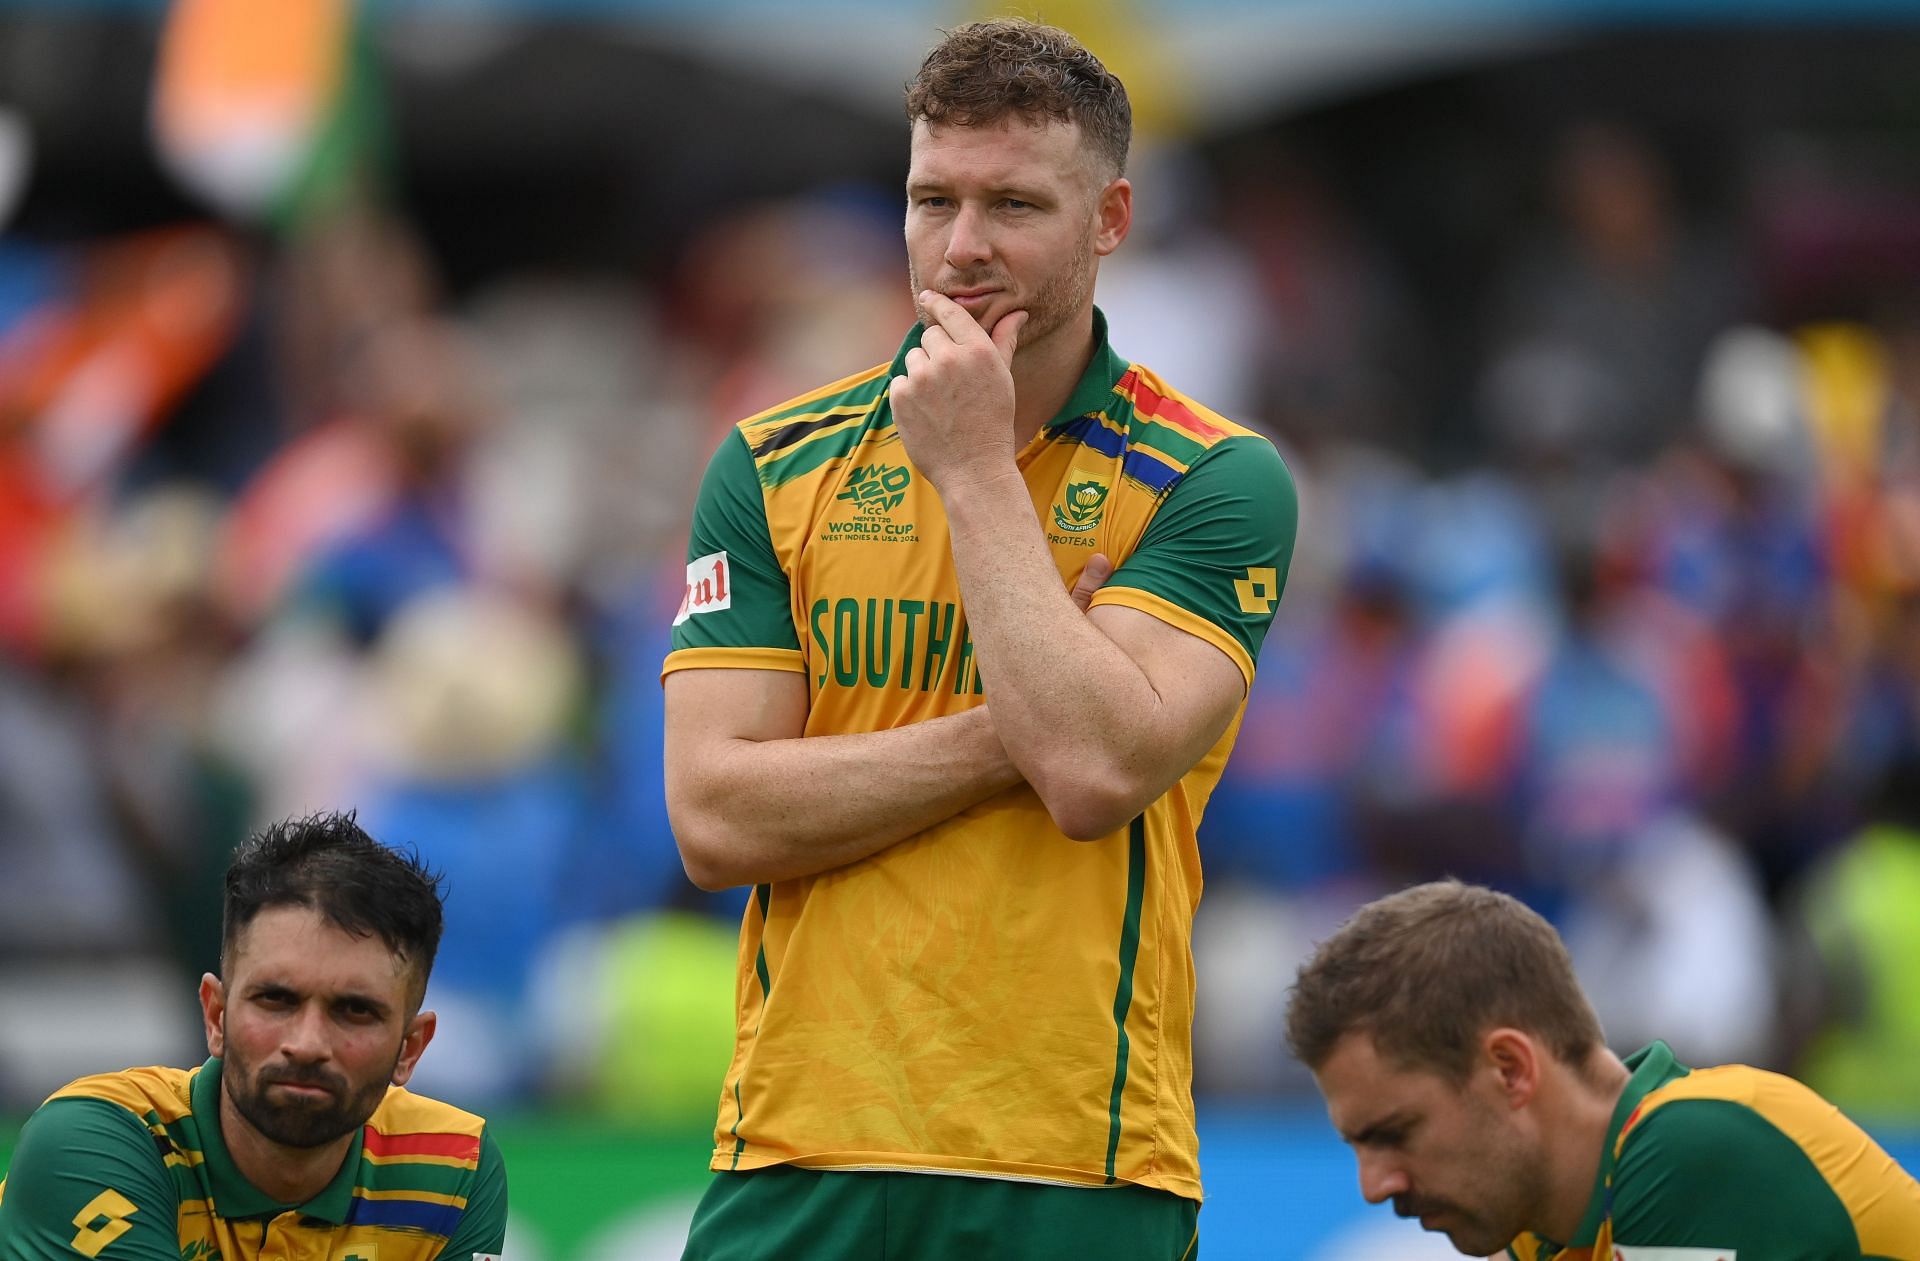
{"x": 984, "y": 71}
{"x": 1430, "y": 969}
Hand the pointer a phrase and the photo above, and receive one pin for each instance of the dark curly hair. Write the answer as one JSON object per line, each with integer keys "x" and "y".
{"x": 325, "y": 862}
{"x": 984, "y": 71}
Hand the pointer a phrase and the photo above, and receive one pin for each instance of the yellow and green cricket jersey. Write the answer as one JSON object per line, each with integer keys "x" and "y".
{"x": 1736, "y": 1164}
{"x": 131, "y": 1166}
{"x": 986, "y": 997}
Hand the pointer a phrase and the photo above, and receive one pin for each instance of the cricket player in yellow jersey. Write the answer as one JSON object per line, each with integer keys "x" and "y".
{"x": 965, "y": 800}
{"x": 1460, "y": 1059}
{"x": 296, "y": 1141}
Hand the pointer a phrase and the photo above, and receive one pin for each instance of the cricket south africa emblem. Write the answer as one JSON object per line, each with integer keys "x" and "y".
{"x": 1082, "y": 502}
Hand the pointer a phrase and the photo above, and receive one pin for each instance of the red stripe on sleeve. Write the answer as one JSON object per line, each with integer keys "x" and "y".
{"x": 1160, "y": 407}
{"x": 457, "y": 1146}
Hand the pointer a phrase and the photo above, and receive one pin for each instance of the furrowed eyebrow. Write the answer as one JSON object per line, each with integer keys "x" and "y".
{"x": 276, "y": 989}
{"x": 375, "y": 1005}
{"x": 1371, "y": 1134}
{"x": 922, "y": 188}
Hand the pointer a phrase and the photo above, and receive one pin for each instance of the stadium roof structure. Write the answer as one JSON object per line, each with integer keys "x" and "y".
{"x": 1226, "y": 60}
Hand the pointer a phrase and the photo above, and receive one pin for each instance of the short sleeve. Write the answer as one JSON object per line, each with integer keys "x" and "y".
{"x": 483, "y": 1227}
{"x": 1714, "y": 1174}
{"x": 1214, "y": 558}
{"x": 737, "y": 611}
{"x": 87, "y": 1181}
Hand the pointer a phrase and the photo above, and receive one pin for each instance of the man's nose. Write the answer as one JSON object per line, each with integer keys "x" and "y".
{"x": 969, "y": 244}
{"x": 1381, "y": 1178}
{"x": 304, "y": 1037}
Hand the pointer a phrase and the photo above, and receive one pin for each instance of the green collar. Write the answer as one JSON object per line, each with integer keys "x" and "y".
{"x": 1096, "y": 384}
{"x": 233, "y": 1195}
{"x": 1652, "y": 1066}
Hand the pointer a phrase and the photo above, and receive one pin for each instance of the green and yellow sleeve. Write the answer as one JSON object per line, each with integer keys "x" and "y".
{"x": 738, "y": 607}
{"x": 483, "y": 1227}
{"x": 87, "y": 1181}
{"x": 1214, "y": 558}
{"x": 1715, "y": 1174}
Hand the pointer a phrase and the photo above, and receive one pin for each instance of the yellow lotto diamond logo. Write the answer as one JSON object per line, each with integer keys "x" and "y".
{"x": 1258, "y": 590}
{"x": 102, "y": 1221}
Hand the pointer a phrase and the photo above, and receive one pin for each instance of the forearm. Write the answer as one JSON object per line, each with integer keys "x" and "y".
{"x": 1074, "y": 712}
{"x": 753, "y": 812}
{"x": 1101, "y": 714}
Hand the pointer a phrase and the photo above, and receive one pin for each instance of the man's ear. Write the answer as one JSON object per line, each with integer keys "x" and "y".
{"x": 419, "y": 1032}
{"x": 1113, "y": 216}
{"x": 213, "y": 1012}
{"x": 1514, "y": 1059}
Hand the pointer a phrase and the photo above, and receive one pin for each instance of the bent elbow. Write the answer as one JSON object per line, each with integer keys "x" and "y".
{"x": 1091, "y": 826}
{"x": 701, "y": 856}
{"x": 1087, "y": 810}
{"x": 703, "y": 874}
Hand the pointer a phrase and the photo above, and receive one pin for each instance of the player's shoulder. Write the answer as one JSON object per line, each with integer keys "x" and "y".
{"x": 1730, "y": 1118}
{"x": 1706, "y": 1099}
{"x": 1169, "y": 434}
{"x": 785, "y": 443}
{"x": 411, "y": 1125}
{"x": 132, "y": 1118}
{"x": 834, "y": 410}
{"x": 1731, "y": 1156}
{"x": 164, "y": 1093}
{"x": 1158, "y": 413}
{"x": 422, "y": 1163}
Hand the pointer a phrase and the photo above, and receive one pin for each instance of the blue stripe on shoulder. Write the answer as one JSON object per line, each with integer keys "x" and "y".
{"x": 438, "y": 1219}
{"x": 1140, "y": 463}
{"x": 1089, "y": 431}
{"x": 1144, "y": 467}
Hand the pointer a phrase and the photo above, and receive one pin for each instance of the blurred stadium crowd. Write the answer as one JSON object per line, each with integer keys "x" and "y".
{"x": 1608, "y": 591}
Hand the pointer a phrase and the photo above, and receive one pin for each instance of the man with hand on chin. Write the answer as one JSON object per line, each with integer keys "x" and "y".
{"x": 965, "y": 643}
{"x": 297, "y": 1141}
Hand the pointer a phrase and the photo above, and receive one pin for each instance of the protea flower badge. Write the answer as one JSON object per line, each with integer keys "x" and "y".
{"x": 1080, "y": 506}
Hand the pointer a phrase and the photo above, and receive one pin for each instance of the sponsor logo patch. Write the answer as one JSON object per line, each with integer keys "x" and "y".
{"x": 1258, "y": 590}
{"x": 101, "y": 1221}
{"x": 1623, "y": 1253}
{"x": 1082, "y": 503}
{"x": 709, "y": 587}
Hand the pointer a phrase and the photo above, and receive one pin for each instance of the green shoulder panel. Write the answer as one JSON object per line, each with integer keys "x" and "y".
{"x": 1168, "y": 440}
{"x": 796, "y": 438}
{"x": 1220, "y": 544}
{"x": 88, "y": 1181}
{"x": 1711, "y": 1173}
{"x": 483, "y": 1227}
{"x": 737, "y": 593}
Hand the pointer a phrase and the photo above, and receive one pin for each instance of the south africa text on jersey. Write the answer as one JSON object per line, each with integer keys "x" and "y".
{"x": 909, "y": 645}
